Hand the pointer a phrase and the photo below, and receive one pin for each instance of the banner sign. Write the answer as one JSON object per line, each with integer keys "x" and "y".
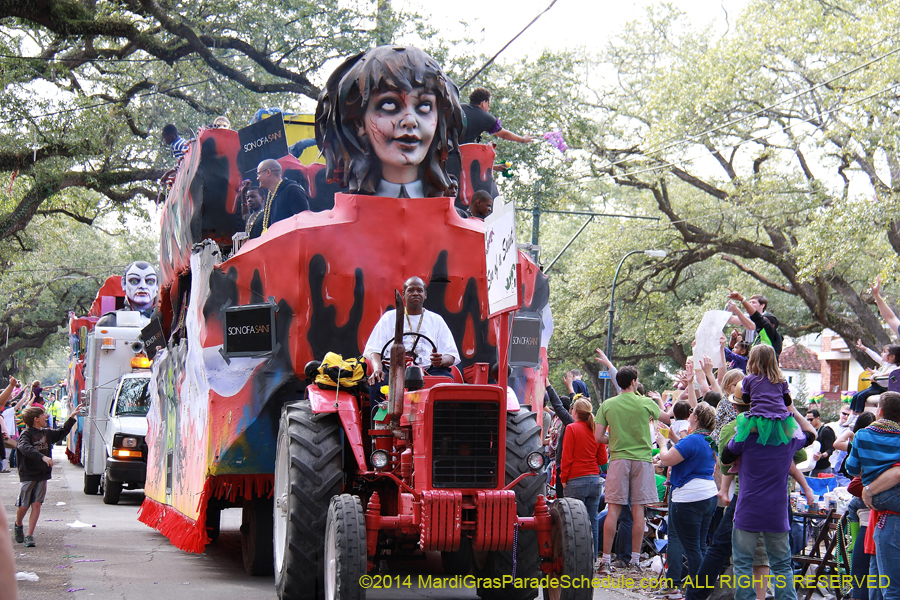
{"x": 525, "y": 343}
{"x": 249, "y": 330}
{"x": 259, "y": 141}
{"x": 153, "y": 338}
{"x": 502, "y": 256}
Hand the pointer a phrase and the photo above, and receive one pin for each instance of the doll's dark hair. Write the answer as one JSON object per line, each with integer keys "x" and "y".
{"x": 349, "y": 158}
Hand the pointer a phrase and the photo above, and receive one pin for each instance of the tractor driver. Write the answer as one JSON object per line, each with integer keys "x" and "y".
{"x": 418, "y": 320}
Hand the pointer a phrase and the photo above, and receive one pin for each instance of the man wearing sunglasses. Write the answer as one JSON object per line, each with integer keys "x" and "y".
{"x": 284, "y": 198}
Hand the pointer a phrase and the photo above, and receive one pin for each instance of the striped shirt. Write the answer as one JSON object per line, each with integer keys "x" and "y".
{"x": 874, "y": 451}
{"x": 179, "y": 148}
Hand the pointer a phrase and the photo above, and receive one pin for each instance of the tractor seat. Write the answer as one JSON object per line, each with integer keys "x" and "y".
{"x": 432, "y": 380}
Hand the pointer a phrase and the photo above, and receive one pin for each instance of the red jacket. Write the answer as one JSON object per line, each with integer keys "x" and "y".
{"x": 582, "y": 455}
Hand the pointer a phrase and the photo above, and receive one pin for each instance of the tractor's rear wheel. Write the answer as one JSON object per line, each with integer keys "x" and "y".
{"x": 523, "y": 436}
{"x": 256, "y": 536}
{"x": 345, "y": 549}
{"x": 572, "y": 544}
{"x": 308, "y": 473}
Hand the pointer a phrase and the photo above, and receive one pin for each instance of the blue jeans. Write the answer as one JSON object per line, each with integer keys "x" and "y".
{"x": 875, "y": 593}
{"x": 717, "y": 556}
{"x": 587, "y": 489}
{"x": 674, "y": 550}
{"x": 858, "y": 402}
{"x": 887, "y": 550}
{"x": 889, "y": 499}
{"x": 859, "y": 565}
{"x": 691, "y": 521}
{"x": 778, "y": 549}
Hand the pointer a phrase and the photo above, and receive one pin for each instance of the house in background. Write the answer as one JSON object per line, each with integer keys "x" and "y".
{"x": 802, "y": 368}
{"x": 840, "y": 371}
{"x": 835, "y": 370}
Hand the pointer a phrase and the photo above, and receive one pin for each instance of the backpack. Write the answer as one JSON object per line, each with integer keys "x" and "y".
{"x": 336, "y": 372}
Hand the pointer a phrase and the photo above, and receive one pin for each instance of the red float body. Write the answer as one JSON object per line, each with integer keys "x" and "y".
{"x": 332, "y": 273}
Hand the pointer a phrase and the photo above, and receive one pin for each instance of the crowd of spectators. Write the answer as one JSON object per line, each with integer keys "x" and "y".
{"x": 726, "y": 442}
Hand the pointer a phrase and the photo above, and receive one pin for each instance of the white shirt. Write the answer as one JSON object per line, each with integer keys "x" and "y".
{"x": 386, "y": 189}
{"x": 695, "y": 490}
{"x": 432, "y": 325}
{"x": 680, "y": 426}
{"x": 9, "y": 419}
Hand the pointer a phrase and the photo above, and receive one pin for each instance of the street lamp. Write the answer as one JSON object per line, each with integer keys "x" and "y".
{"x": 612, "y": 309}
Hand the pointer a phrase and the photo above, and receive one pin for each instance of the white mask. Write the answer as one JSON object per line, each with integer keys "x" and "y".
{"x": 141, "y": 286}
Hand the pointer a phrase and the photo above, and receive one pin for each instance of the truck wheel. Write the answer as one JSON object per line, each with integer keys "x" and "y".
{"x": 459, "y": 562}
{"x": 256, "y": 536}
{"x": 111, "y": 491}
{"x": 308, "y": 473}
{"x": 345, "y": 549}
{"x": 91, "y": 484}
{"x": 523, "y": 436}
{"x": 572, "y": 544}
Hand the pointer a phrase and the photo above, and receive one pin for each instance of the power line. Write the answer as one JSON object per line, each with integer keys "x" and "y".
{"x": 494, "y": 57}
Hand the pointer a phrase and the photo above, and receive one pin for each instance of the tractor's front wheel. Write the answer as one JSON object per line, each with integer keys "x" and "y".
{"x": 572, "y": 544}
{"x": 460, "y": 561}
{"x": 523, "y": 436}
{"x": 345, "y": 549}
{"x": 308, "y": 473}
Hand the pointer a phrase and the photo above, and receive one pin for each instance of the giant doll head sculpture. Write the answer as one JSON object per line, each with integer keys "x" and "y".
{"x": 141, "y": 285}
{"x": 389, "y": 113}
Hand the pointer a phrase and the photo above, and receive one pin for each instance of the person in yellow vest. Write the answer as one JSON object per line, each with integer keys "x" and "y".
{"x": 54, "y": 410}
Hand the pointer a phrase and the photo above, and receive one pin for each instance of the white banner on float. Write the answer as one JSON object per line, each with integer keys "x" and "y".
{"x": 502, "y": 256}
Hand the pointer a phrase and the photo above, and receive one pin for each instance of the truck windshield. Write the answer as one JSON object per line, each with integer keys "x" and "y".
{"x": 134, "y": 397}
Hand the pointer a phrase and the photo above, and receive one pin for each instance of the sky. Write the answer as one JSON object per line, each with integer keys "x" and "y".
{"x": 569, "y": 24}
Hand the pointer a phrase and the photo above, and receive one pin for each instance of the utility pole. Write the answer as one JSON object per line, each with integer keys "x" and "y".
{"x": 381, "y": 22}
{"x": 536, "y": 221}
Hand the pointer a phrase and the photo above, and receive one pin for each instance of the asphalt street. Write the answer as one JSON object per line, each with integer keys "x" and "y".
{"x": 115, "y": 557}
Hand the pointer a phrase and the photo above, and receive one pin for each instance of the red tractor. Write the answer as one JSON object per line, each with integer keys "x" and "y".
{"x": 455, "y": 467}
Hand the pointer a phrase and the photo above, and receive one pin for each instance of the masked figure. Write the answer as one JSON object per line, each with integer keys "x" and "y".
{"x": 386, "y": 121}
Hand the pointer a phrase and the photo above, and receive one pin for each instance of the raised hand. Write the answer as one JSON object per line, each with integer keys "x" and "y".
{"x": 602, "y": 358}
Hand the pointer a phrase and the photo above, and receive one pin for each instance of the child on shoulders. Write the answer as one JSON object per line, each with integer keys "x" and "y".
{"x": 766, "y": 389}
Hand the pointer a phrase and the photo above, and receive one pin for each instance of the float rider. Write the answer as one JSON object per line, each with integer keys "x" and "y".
{"x": 417, "y": 320}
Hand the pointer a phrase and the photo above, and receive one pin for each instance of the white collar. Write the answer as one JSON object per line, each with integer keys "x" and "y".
{"x": 387, "y": 189}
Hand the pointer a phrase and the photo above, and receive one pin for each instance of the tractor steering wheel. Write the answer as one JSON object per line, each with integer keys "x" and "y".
{"x": 385, "y": 358}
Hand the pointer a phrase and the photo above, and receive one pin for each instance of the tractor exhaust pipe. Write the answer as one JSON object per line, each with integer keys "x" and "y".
{"x": 398, "y": 370}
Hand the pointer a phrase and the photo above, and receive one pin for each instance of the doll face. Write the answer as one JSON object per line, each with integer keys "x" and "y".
{"x": 400, "y": 127}
{"x": 141, "y": 287}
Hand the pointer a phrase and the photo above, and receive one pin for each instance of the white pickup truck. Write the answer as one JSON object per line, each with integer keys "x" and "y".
{"x": 114, "y": 450}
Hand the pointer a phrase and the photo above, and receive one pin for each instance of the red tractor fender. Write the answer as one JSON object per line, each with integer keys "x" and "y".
{"x": 345, "y": 405}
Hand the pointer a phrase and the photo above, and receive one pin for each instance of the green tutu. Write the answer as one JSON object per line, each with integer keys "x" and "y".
{"x": 772, "y": 431}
